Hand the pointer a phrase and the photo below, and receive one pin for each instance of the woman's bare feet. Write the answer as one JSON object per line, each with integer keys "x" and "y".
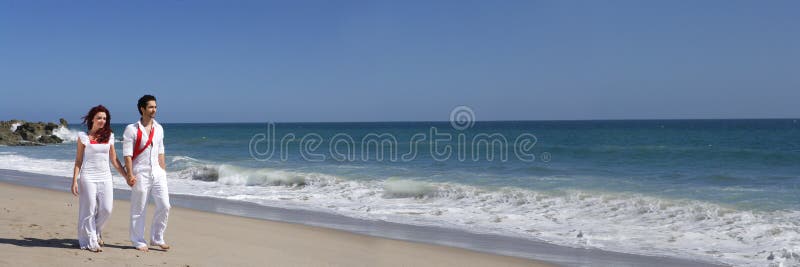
{"x": 95, "y": 249}
{"x": 100, "y": 242}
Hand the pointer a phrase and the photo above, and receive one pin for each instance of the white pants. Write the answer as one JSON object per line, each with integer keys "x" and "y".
{"x": 157, "y": 187}
{"x": 95, "y": 203}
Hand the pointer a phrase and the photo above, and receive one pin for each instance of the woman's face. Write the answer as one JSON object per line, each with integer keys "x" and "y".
{"x": 99, "y": 120}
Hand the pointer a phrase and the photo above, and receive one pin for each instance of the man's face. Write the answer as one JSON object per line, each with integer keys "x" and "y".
{"x": 150, "y": 109}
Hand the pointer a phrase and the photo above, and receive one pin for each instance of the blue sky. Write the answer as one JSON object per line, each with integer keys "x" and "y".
{"x": 254, "y": 61}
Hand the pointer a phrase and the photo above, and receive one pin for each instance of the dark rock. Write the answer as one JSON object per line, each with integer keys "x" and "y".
{"x": 8, "y": 138}
{"x": 31, "y": 131}
{"x": 28, "y": 133}
{"x": 62, "y": 122}
{"x": 49, "y": 127}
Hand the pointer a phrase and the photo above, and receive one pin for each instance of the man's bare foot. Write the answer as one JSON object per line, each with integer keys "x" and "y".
{"x": 142, "y": 248}
{"x": 163, "y": 246}
{"x": 100, "y": 242}
{"x": 95, "y": 249}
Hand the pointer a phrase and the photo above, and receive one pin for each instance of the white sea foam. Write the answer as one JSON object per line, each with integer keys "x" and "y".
{"x": 12, "y": 161}
{"x": 14, "y": 126}
{"x": 633, "y": 223}
{"x": 66, "y": 134}
{"x": 398, "y": 188}
{"x": 624, "y": 222}
{"x": 61, "y": 168}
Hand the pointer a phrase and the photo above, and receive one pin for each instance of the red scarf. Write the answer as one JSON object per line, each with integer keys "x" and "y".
{"x": 136, "y": 150}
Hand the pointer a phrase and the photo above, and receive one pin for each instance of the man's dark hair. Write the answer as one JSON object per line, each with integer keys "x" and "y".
{"x": 143, "y": 102}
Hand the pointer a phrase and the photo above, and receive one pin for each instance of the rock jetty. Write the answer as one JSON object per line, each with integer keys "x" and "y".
{"x": 23, "y": 133}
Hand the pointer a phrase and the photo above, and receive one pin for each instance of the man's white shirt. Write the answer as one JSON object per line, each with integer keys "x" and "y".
{"x": 147, "y": 161}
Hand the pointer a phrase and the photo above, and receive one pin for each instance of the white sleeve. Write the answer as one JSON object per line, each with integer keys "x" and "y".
{"x": 161, "y": 142}
{"x": 111, "y": 139}
{"x": 83, "y": 138}
{"x": 128, "y": 137}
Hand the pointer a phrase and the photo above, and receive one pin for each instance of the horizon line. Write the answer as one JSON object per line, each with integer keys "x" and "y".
{"x": 446, "y": 121}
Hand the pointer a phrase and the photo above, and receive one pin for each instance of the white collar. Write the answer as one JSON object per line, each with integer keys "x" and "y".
{"x": 139, "y": 124}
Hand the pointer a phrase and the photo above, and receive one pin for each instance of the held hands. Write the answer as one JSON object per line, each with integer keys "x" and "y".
{"x": 131, "y": 180}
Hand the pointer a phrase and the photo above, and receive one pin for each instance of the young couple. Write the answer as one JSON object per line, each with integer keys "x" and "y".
{"x": 144, "y": 171}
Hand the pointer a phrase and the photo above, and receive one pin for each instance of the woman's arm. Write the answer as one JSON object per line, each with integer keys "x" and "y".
{"x": 112, "y": 156}
{"x": 128, "y": 138}
{"x": 77, "y": 170}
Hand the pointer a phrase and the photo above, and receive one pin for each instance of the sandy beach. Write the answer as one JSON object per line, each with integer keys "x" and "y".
{"x": 401, "y": 133}
{"x": 38, "y": 229}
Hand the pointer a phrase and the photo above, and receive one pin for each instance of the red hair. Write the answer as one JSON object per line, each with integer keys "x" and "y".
{"x": 102, "y": 135}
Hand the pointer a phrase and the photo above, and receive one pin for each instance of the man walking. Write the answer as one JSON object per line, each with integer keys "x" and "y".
{"x": 143, "y": 149}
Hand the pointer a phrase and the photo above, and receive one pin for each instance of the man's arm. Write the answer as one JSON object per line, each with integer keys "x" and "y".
{"x": 131, "y": 179}
{"x": 161, "y": 158}
{"x": 162, "y": 162}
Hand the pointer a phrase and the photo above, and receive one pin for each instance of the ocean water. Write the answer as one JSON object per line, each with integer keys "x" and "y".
{"x": 716, "y": 190}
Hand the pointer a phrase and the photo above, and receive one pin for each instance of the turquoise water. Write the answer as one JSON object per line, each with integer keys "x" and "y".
{"x": 688, "y": 159}
{"x": 676, "y": 185}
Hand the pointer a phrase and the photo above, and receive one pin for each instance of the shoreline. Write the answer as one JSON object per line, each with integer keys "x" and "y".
{"x": 423, "y": 235}
{"x": 38, "y": 229}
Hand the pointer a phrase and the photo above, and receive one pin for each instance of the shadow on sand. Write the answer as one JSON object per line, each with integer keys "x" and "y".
{"x": 55, "y": 243}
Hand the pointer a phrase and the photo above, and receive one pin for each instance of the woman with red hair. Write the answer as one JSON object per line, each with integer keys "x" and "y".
{"x": 91, "y": 178}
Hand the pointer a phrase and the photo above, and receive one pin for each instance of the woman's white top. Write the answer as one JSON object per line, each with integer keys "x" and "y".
{"x": 95, "y": 166}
